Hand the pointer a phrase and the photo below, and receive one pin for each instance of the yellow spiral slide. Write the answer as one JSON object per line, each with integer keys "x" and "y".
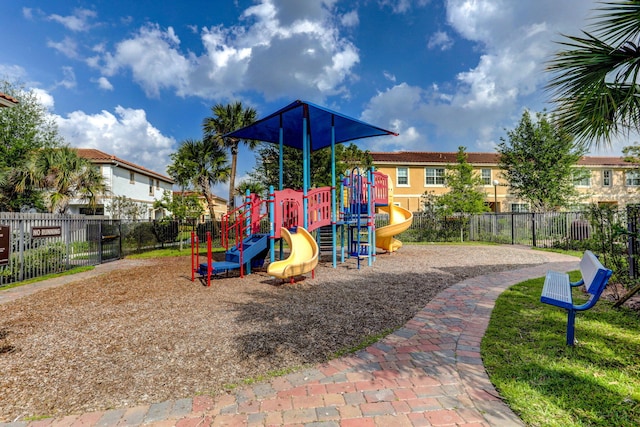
{"x": 303, "y": 255}
{"x": 399, "y": 220}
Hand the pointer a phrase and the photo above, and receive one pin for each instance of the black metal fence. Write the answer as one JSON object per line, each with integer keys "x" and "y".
{"x": 542, "y": 230}
{"x": 40, "y": 244}
{"x": 34, "y": 245}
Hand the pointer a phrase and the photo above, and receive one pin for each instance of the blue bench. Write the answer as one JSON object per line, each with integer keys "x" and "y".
{"x": 557, "y": 289}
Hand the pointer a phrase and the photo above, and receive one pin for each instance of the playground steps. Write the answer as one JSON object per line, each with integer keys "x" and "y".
{"x": 325, "y": 238}
{"x": 360, "y": 246}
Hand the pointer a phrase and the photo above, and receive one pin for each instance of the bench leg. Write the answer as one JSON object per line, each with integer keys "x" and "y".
{"x": 571, "y": 320}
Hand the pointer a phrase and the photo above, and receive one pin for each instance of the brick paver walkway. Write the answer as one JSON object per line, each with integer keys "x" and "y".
{"x": 428, "y": 373}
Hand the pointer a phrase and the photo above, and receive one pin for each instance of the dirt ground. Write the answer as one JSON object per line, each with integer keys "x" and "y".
{"x": 149, "y": 334}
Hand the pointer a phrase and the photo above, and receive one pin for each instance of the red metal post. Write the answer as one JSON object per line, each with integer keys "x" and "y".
{"x": 209, "y": 259}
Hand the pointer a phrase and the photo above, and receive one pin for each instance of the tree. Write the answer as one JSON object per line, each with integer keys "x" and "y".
{"x": 254, "y": 187}
{"x": 225, "y": 119}
{"x": 464, "y": 197}
{"x": 266, "y": 170}
{"x": 23, "y": 128}
{"x": 61, "y": 175}
{"x": 122, "y": 207}
{"x": 538, "y": 161}
{"x": 204, "y": 164}
{"x": 185, "y": 206}
{"x": 595, "y": 76}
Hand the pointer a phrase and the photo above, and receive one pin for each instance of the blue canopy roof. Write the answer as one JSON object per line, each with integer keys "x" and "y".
{"x": 319, "y": 123}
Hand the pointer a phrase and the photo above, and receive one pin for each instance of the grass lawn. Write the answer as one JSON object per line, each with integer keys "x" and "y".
{"x": 173, "y": 251}
{"x": 546, "y": 382}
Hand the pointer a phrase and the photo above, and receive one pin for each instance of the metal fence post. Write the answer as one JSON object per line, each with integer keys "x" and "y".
{"x": 533, "y": 228}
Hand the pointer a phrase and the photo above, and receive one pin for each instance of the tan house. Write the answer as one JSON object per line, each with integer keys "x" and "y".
{"x": 219, "y": 207}
{"x": 7, "y": 101}
{"x": 612, "y": 180}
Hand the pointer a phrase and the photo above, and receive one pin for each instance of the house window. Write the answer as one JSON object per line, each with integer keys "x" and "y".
{"x": 402, "y": 176}
{"x": 486, "y": 176}
{"x": 434, "y": 176}
{"x": 583, "y": 179}
{"x": 632, "y": 178}
{"x": 132, "y": 178}
{"x": 519, "y": 207}
{"x": 606, "y": 178}
{"x": 151, "y": 186}
{"x": 157, "y": 184}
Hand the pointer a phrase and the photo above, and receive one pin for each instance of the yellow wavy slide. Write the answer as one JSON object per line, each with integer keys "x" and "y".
{"x": 303, "y": 257}
{"x": 399, "y": 220}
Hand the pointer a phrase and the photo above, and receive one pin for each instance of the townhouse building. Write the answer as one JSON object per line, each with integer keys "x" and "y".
{"x": 7, "y": 101}
{"x": 123, "y": 178}
{"x": 219, "y": 205}
{"x": 611, "y": 180}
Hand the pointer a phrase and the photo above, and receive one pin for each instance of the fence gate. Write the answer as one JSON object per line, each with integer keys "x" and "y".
{"x": 104, "y": 237}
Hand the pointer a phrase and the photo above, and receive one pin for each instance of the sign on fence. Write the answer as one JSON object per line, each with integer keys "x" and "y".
{"x": 5, "y": 244}
{"x": 40, "y": 232}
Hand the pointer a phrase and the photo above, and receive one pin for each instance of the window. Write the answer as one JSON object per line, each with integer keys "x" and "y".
{"x": 132, "y": 178}
{"x": 582, "y": 179}
{"x": 157, "y": 184}
{"x": 151, "y": 186}
{"x": 519, "y": 207}
{"x": 98, "y": 210}
{"x": 606, "y": 178}
{"x": 402, "y": 176}
{"x": 486, "y": 176}
{"x": 434, "y": 176}
{"x": 632, "y": 178}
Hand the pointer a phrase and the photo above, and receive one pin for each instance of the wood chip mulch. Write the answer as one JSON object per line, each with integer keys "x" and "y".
{"x": 148, "y": 334}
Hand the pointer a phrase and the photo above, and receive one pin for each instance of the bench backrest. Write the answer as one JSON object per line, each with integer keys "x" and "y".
{"x": 594, "y": 275}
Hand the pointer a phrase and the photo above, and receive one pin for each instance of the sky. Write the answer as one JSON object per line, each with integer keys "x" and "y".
{"x": 136, "y": 78}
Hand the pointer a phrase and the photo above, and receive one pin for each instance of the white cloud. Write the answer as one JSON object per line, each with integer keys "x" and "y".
{"x": 44, "y": 98}
{"x": 395, "y": 110}
{"x": 78, "y": 21}
{"x": 514, "y": 40}
{"x": 154, "y": 59}
{"x": 69, "y": 79}
{"x": 440, "y": 40}
{"x": 285, "y": 48}
{"x": 27, "y": 12}
{"x": 350, "y": 19}
{"x": 402, "y": 6}
{"x": 126, "y": 134}
{"x": 104, "y": 83}
{"x": 12, "y": 72}
{"x": 68, "y": 47}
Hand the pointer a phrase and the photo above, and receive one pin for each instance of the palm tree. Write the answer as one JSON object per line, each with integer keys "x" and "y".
{"x": 595, "y": 77}
{"x": 225, "y": 119}
{"x": 254, "y": 187}
{"x": 202, "y": 165}
{"x": 61, "y": 175}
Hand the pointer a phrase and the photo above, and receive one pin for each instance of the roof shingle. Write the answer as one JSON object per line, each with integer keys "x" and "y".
{"x": 97, "y": 156}
{"x": 426, "y": 157}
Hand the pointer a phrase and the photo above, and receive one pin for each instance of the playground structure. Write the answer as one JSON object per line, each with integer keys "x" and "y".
{"x": 354, "y": 234}
{"x": 295, "y": 214}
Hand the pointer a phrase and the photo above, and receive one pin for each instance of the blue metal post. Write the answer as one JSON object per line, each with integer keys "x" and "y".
{"x": 305, "y": 167}
{"x": 272, "y": 232}
{"x": 571, "y": 322}
{"x": 333, "y": 192}
{"x": 248, "y": 208}
{"x": 281, "y": 160}
{"x": 341, "y": 207}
